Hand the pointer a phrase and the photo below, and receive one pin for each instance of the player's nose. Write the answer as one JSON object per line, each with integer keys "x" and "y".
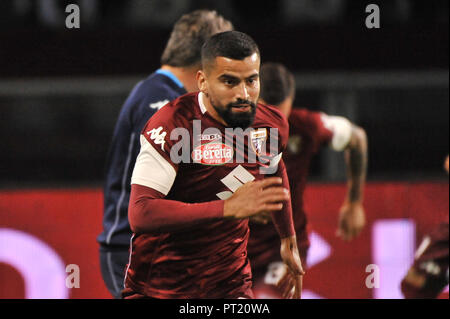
{"x": 242, "y": 92}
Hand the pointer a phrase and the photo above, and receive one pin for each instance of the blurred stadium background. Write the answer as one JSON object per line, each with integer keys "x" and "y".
{"x": 61, "y": 91}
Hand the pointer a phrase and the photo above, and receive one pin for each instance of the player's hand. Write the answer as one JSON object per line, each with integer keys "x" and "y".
{"x": 256, "y": 197}
{"x": 292, "y": 282}
{"x": 352, "y": 220}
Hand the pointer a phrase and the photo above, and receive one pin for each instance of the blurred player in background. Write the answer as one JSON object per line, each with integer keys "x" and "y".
{"x": 308, "y": 132}
{"x": 180, "y": 62}
{"x": 429, "y": 274}
{"x": 190, "y": 219}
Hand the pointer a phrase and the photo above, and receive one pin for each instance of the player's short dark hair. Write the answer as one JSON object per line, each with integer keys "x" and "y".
{"x": 188, "y": 35}
{"x": 230, "y": 44}
{"x": 277, "y": 83}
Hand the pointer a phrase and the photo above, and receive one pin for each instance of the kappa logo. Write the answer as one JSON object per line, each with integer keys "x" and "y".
{"x": 158, "y": 105}
{"x": 158, "y": 135}
{"x": 258, "y": 138}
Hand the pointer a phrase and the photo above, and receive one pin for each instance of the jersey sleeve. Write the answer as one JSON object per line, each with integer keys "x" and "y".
{"x": 278, "y": 136}
{"x": 340, "y": 129}
{"x": 283, "y": 132}
{"x": 154, "y": 167}
{"x": 322, "y": 129}
{"x": 283, "y": 220}
{"x": 149, "y": 211}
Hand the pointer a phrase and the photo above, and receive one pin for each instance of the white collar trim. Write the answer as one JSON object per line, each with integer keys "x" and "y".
{"x": 200, "y": 102}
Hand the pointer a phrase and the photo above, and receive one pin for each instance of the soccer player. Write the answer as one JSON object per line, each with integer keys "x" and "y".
{"x": 429, "y": 273}
{"x": 180, "y": 62}
{"x": 199, "y": 176}
{"x": 309, "y": 131}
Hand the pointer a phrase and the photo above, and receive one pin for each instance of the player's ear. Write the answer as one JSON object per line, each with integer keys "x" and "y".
{"x": 201, "y": 82}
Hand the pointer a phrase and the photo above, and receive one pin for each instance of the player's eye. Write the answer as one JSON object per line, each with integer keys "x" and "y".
{"x": 230, "y": 82}
{"x": 252, "y": 81}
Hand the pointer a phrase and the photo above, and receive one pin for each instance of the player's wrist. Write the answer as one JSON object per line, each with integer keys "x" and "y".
{"x": 289, "y": 242}
{"x": 354, "y": 197}
{"x": 228, "y": 210}
{"x": 354, "y": 202}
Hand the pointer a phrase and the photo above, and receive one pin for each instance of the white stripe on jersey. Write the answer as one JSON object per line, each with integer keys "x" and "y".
{"x": 423, "y": 246}
{"x": 200, "y": 103}
{"x": 129, "y": 262}
{"x": 152, "y": 169}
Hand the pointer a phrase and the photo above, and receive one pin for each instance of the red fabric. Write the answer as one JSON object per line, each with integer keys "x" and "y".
{"x": 186, "y": 252}
{"x": 283, "y": 219}
{"x": 307, "y": 128}
{"x": 148, "y": 211}
{"x": 438, "y": 248}
{"x": 50, "y": 216}
{"x": 432, "y": 264}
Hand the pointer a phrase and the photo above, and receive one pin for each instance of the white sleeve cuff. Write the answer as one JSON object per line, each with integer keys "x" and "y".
{"x": 341, "y": 129}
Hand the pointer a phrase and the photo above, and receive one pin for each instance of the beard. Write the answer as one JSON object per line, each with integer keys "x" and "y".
{"x": 237, "y": 119}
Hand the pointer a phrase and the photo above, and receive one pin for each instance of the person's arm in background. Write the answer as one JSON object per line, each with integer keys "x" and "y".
{"x": 352, "y": 140}
{"x": 291, "y": 283}
{"x": 352, "y": 216}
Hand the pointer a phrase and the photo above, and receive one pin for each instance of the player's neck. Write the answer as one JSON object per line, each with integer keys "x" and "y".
{"x": 187, "y": 76}
{"x": 211, "y": 110}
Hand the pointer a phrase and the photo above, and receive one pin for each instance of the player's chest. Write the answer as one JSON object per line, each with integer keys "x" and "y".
{"x": 300, "y": 145}
{"x": 220, "y": 163}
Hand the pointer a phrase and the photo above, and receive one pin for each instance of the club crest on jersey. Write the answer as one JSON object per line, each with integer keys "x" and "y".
{"x": 295, "y": 144}
{"x": 257, "y": 139}
{"x": 212, "y": 154}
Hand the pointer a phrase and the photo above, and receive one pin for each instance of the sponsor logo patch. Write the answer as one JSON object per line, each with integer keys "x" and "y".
{"x": 212, "y": 154}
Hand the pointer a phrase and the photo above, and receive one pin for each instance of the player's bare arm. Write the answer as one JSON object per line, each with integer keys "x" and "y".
{"x": 292, "y": 282}
{"x": 352, "y": 215}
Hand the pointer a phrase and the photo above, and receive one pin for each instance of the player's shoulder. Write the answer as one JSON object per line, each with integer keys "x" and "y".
{"x": 270, "y": 116}
{"x": 155, "y": 88}
{"x": 302, "y": 118}
{"x": 176, "y": 113}
{"x": 148, "y": 96}
{"x": 303, "y": 114}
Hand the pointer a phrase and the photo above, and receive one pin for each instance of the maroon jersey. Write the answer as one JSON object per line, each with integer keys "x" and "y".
{"x": 431, "y": 262}
{"x": 203, "y": 258}
{"x": 309, "y": 131}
